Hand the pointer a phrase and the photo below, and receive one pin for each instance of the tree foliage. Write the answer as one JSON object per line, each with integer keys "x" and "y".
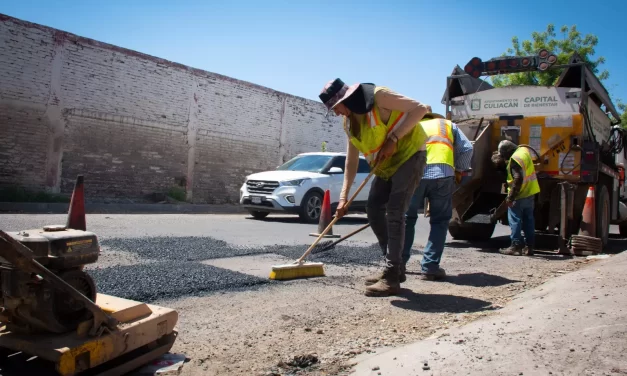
{"x": 571, "y": 41}
{"x": 622, "y": 108}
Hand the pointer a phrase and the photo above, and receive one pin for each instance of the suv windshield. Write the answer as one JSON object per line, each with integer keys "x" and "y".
{"x": 311, "y": 163}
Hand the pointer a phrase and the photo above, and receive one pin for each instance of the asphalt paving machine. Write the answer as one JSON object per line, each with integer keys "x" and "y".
{"x": 572, "y": 129}
{"x": 53, "y": 320}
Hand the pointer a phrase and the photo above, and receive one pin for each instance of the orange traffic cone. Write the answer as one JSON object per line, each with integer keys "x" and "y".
{"x": 325, "y": 217}
{"x": 588, "y": 218}
{"x": 76, "y": 214}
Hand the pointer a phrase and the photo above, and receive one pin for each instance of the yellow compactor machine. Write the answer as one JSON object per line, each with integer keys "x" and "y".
{"x": 53, "y": 320}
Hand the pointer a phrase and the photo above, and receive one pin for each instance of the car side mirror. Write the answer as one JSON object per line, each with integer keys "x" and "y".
{"x": 336, "y": 170}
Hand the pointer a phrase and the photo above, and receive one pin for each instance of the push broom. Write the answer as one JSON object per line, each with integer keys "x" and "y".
{"x": 324, "y": 247}
{"x": 301, "y": 269}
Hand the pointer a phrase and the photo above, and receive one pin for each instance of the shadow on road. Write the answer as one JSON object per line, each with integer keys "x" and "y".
{"x": 546, "y": 245}
{"x": 296, "y": 220}
{"x": 478, "y": 280}
{"x": 439, "y": 303}
{"x": 488, "y": 245}
{"x": 615, "y": 244}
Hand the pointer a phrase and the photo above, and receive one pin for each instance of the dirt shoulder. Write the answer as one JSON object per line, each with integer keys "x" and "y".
{"x": 252, "y": 332}
{"x": 572, "y": 325}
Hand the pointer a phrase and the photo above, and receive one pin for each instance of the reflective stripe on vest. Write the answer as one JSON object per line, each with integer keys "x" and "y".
{"x": 374, "y": 116}
{"x": 530, "y": 184}
{"x": 372, "y": 135}
{"x": 439, "y": 141}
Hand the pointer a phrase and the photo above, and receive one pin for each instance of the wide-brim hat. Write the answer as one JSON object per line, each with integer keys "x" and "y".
{"x": 334, "y": 92}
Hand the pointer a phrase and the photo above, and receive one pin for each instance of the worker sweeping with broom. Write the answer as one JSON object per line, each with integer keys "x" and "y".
{"x": 385, "y": 127}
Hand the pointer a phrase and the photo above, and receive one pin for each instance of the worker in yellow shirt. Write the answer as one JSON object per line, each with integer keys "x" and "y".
{"x": 522, "y": 188}
{"x": 385, "y": 127}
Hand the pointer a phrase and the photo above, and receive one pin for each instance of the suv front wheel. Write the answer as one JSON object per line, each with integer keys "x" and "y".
{"x": 310, "y": 207}
{"x": 258, "y": 214}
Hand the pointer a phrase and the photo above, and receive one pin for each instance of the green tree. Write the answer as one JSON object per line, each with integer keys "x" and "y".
{"x": 622, "y": 108}
{"x": 571, "y": 41}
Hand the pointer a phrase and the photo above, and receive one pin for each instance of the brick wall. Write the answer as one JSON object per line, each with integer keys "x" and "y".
{"x": 134, "y": 124}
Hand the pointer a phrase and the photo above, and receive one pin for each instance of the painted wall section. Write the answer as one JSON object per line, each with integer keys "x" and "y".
{"x": 135, "y": 124}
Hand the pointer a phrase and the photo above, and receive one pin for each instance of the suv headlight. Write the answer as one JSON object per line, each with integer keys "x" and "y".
{"x": 294, "y": 183}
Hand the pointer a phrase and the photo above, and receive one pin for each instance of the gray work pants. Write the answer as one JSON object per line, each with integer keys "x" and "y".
{"x": 392, "y": 197}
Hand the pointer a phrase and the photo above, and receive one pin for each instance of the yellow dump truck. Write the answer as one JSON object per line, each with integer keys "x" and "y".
{"x": 569, "y": 129}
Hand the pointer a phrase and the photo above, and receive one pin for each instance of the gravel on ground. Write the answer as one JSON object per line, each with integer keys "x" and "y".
{"x": 233, "y": 320}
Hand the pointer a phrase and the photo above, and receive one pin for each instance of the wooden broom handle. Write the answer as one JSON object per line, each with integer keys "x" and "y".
{"x": 361, "y": 186}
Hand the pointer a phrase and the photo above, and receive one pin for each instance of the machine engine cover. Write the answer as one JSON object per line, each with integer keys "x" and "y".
{"x": 59, "y": 248}
{"x": 30, "y": 303}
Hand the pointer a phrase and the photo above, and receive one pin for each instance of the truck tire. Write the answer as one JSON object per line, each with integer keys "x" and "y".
{"x": 602, "y": 209}
{"x": 471, "y": 231}
{"x": 258, "y": 214}
{"x": 623, "y": 229}
{"x": 311, "y": 207}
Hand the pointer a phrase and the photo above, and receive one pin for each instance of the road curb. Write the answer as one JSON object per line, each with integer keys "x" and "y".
{"x": 61, "y": 208}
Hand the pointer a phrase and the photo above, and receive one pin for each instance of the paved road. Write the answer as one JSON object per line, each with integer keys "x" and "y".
{"x": 236, "y": 229}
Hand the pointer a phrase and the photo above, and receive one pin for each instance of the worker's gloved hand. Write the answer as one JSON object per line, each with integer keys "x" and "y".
{"x": 458, "y": 177}
{"x": 509, "y": 202}
{"x": 388, "y": 148}
{"x": 341, "y": 209}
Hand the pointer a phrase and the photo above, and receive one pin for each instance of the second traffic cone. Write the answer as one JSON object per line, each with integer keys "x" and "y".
{"x": 588, "y": 218}
{"x": 76, "y": 214}
{"x": 325, "y": 217}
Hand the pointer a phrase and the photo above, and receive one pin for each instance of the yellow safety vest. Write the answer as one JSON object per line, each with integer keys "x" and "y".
{"x": 439, "y": 141}
{"x": 530, "y": 184}
{"x": 373, "y": 133}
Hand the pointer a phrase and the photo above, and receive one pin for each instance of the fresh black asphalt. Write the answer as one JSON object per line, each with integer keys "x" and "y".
{"x": 173, "y": 267}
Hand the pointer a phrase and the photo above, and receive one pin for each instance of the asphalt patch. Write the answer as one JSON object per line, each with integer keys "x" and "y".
{"x": 177, "y": 248}
{"x": 160, "y": 280}
{"x": 206, "y": 248}
{"x": 341, "y": 255}
{"x": 171, "y": 267}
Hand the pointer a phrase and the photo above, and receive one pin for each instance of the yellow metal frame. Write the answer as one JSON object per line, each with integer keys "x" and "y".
{"x": 555, "y": 143}
{"x": 140, "y": 325}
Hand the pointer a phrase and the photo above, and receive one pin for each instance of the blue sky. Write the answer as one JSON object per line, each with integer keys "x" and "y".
{"x": 297, "y": 46}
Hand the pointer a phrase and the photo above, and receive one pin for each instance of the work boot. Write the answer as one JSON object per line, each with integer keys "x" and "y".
{"x": 434, "y": 276}
{"x": 388, "y": 285}
{"x": 528, "y": 251}
{"x": 513, "y": 250}
{"x": 376, "y": 277}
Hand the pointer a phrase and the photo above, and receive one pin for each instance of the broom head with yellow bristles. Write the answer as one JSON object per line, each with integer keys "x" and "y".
{"x": 301, "y": 269}
{"x": 297, "y": 270}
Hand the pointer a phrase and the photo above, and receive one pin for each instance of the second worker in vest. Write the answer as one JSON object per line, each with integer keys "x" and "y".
{"x": 449, "y": 153}
{"x": 522, "y": 187}
{"x": 385, "y": 127}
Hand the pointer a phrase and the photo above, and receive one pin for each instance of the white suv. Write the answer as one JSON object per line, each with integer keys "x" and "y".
{"x": 299, "y": 184}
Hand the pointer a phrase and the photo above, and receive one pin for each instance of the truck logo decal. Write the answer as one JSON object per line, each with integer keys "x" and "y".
{"x": 501, "y": 103}
{"x": 475, "y": 104}
{"x": 541, "y": 101}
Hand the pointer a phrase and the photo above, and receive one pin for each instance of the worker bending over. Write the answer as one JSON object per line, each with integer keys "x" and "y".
{"x": 522, "y": 186}
{"x": 385, "y": 127}
{"x": 449, "y": 152}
